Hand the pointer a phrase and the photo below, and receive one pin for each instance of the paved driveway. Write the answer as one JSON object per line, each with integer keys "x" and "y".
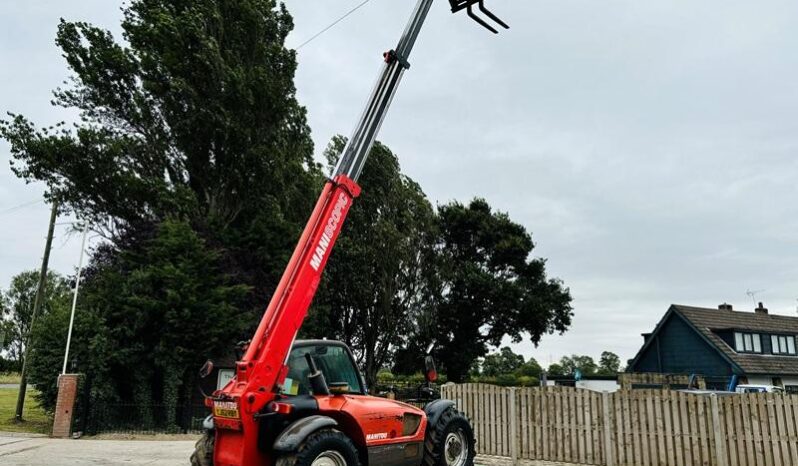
{"x": 21, "y": 451}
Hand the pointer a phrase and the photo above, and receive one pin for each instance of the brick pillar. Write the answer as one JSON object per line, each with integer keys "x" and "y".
{"x": 65, "y": 405}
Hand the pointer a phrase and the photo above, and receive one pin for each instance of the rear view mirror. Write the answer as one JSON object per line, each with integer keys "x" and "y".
{"x": 430, "y": 373}
{"x": 206, "y": 369}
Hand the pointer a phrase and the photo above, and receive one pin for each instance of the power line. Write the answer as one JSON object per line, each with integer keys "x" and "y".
{"x": 362, "y": 4}
{"x": 12, "y": 209}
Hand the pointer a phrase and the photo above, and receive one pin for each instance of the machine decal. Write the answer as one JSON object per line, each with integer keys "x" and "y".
{"x": 329, "y": 232}
{"x": 378, "y": 436}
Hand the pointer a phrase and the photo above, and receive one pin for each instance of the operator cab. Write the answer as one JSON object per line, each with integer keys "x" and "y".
{"x": 335, "y": 361}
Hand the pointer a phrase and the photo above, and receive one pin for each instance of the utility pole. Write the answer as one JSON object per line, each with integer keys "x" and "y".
{"x": 37, "y": 303}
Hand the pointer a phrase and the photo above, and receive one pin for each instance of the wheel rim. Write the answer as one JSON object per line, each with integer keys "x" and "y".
{"x": 456, "y": 448}
{"x": 329, "y": 458}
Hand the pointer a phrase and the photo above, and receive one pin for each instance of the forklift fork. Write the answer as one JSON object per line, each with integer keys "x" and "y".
{"x": 458, "y": 5}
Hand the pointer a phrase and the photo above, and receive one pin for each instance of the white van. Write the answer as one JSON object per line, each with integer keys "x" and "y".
{"x": 758, "y": 389}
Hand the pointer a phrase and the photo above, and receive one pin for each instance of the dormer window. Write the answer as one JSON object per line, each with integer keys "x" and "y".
{"x": 749, "y": 342}
{"x": 783, "y": 344}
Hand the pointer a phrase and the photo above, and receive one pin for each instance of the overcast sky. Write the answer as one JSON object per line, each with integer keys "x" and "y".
{"x": 649, "y": 146}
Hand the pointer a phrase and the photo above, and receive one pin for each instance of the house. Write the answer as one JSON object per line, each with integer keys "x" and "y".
{"x": 757, "y": 347}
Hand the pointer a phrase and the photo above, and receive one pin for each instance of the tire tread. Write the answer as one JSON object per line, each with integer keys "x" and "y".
{"x": 304, "y": 456}
{"x": 433, "y": 441}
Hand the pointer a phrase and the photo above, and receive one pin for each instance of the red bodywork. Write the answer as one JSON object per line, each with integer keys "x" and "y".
{"x": 262, "y": 369}
{"x": 370, "y": 421}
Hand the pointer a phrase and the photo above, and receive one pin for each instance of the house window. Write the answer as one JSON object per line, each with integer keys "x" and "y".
{"x": 748, "y": 342}
{"x": 783, "y": 344}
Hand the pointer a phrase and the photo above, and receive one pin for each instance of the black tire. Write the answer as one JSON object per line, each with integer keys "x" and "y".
{"x": 450, "y": 423}
{"x": 322, "y": 442}
{"x": 203, "y": 450}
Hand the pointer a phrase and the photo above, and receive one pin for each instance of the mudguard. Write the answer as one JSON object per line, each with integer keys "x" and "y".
{"x": 434, "y": 409}
{"x": 292, "y": 437}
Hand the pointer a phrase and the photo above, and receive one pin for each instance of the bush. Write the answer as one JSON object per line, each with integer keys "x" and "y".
{"x": 508, "y": 380}
{"x": 9, "y": 365}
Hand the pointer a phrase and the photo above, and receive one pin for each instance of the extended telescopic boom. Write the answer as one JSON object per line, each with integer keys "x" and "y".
{"x": 263, "y": 369}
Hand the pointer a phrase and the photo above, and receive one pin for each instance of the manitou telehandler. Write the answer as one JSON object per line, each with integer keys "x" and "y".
{"x": 304, "y": 403}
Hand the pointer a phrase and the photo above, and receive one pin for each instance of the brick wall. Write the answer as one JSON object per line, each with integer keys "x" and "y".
{"x": 65, "y": 405}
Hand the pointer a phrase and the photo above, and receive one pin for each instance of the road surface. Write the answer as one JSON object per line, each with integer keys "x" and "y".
{"x": 24, "y": 450}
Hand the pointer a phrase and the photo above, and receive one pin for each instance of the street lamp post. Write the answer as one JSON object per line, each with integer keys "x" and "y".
{"x": 75, "y": 297}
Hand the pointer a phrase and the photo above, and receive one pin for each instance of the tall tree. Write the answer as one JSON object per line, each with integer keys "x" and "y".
{"x": 377, "y": 278}
{"x": 490, "y": 287}
{"x": 585, "y": 364}
{"x": 17, "y": 306}
{"x": 501, "y": 363}
{"x": 609, "y": 363}
{"x": 531, "y": 368}
{"x": 150, "y": 315}
{"x": 196, "y": 115}
{"x": 194, "y": 159}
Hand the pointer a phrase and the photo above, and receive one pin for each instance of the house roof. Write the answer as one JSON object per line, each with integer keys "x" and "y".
{"x": 705, "y": 320}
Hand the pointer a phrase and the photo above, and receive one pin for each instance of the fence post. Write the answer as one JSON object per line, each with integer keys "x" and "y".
{"x": 544, "y": 423}
{"x": 609, "y": 460}
{"x": 720, "y": 444}
{"x": 513, "y": 427}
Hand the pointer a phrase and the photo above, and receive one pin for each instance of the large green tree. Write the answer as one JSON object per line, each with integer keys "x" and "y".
{"x": 377, "y": 279}
{"x": 193, "y": 158}
{"x": 503, "y": 362}
{"x": 490, "y": 286}
{"x": 609, "y": 363}
{"x": 148, "y": 317}
{"x": 16, "y": 307}
{"x": 194, "y": 116}
{"x": 584, "y": 364}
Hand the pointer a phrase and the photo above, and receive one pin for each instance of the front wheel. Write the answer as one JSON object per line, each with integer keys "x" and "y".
{"x": 326, "y": 447}
{"x": 450, "y": 442}
{"x": 203, "y": 450}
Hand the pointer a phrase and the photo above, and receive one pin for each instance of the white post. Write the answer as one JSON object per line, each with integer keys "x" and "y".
{"x": 75, "y": 297}
{"x": 513, "y": 427}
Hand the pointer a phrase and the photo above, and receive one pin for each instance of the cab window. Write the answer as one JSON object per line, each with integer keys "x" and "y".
{"x": 333, "y": 361}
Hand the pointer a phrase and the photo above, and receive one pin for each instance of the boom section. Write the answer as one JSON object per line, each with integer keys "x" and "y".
{"x": 262, "y": 368}
{"x": 362, "y": 140}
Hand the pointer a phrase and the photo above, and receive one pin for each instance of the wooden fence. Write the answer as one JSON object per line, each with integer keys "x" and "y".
{"x": 634, "y": 428}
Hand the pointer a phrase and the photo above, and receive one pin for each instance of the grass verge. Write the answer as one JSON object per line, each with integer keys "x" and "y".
{"x": 35, "y": 420}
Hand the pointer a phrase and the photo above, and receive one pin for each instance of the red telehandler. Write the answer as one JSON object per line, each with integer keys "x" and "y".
{"x": 304, "y": 403}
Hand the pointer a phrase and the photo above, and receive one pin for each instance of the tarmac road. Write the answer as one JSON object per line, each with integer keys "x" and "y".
{"x": 24, "y": 450}
{"x": 42, "y": 451}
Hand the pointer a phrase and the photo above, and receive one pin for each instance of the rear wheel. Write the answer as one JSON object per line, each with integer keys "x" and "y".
{"x": 450, "y": 442}
{"x": 203, "y": 450}
{"x": 326, "y": 447}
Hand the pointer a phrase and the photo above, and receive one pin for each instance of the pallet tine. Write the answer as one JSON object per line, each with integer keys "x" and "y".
{"x": 480, "y": 20}
{"x": 468, "y": 5}
{"x": 490, "y": 15}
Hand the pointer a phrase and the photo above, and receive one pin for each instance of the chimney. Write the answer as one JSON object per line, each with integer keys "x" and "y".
{"x": 761, "y": 310}
{"x": 725, "y": 307}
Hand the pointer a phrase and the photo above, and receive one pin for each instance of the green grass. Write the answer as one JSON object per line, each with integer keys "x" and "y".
{"x": 9, "y": 377}
{"x": 35, "y": 419}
